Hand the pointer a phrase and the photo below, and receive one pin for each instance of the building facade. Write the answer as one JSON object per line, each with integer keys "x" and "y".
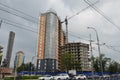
{"x": 6, "y": 62}
{"x": 19, "y": 58}
{"x": 80, "y": 51}
{"x": 50, "y": 38}
{"x": 1, "y": 54}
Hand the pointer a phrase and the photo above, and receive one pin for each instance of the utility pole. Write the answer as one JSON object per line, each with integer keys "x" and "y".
{"x": 100, "y": 61}
{"x": 92, "y": 69}
{"x": 15, "y": 65}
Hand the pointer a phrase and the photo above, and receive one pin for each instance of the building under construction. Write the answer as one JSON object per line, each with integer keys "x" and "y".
{"x": 80, "y": 51}
{"x": 50, "y": 37}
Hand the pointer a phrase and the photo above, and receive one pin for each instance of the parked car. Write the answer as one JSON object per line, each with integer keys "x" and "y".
{"x": 93, "y": 76}
{"x": 61, "y": 76}
{"x": 80, "y": 76}
{"x": 106, "y": 76}
{"x": 46, "y": 77}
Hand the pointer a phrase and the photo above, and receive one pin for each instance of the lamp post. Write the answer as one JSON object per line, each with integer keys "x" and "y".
{"x": 32, "y": 62}
{"x": 100, "y": 61}
{"x": 15, "y": 67}
{"x": 92, "y": 69}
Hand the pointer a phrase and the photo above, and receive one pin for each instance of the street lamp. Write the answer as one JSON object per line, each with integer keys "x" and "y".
{"x": 101, "y": 67}
{"x": 91, "y": 58}
{"x": 32, "y": 62}
{"x": 15, "y": 67}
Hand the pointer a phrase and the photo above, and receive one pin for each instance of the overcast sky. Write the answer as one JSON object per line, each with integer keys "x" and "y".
{"x": 26, "y": 41}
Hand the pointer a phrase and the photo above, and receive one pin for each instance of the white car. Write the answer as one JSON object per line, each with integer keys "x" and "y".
{"x": 61, "y": 77}
{"x": 80, "y": 76}
{"x": 46, "y": 77}
{"x": 106, "y": 76}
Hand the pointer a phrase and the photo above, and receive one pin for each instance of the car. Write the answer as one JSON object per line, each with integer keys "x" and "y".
{"x": 106, "y": 76}
{"x": 93, "y": 76}
{"x": 80, "y": 76}
{"x": 46, "y": 77}
{"x": 61, "y": 76}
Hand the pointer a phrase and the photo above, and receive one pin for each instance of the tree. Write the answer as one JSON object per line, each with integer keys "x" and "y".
{"x": 96, "y": 63}
{"x": 68, "y": 62}
{"x": 114, "y": 67}
{"x": 26, "y": 67}
{"x": 77, "y": 65}
{"x": 105, "y": 60}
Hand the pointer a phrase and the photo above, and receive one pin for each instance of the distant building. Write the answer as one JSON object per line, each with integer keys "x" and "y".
{"x": 50, "y": 38}
{"x": 80, "y": 50}
{"x": 9, "y": 49}
{"x": 19, "y": 58}
{"x": 5, "y": 72}
{"x": 1, "y": 54}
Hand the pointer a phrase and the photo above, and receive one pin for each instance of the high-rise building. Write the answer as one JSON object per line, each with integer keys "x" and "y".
{"x": 9, "y": 49}
{"x": 80, "y": 50}
{"x": 50, "y": 38}
{"x": 19, "y": 58}
{"x": 1, "y": 54}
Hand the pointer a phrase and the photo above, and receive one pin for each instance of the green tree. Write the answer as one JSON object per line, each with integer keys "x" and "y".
{"x": 105, "y": 60}
{"x": 68, "y": 62}
{"x": 114, "y": 67}
{"x": 96, "y": 63}
{"x": 26, "y": 67}
{"x": 77, "y": 65}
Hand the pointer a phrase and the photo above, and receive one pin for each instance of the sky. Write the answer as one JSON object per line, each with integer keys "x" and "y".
{"x": 26, "y": 40}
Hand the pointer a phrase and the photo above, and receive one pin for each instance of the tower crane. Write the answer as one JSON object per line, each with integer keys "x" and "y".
{"x": 68, "y": 18}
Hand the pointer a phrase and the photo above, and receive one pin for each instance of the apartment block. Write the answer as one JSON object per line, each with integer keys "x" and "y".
{"x": 80, "y": 51}
{"x": 50, "y": 38}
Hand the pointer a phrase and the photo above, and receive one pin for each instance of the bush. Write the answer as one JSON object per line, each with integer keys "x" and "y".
{"x": 23, "y": 77}
{"x": 9, "y": 78}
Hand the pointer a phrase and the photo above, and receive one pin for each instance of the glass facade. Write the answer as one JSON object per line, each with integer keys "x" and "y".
{"x": 50, "y": 36}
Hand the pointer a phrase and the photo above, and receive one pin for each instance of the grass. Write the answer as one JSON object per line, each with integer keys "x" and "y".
{"x": 22, "y": 78}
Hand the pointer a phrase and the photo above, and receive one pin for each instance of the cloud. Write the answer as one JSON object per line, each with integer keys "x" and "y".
{"x": 26, "y": 41}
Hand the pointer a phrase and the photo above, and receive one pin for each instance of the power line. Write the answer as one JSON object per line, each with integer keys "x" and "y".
{"x": 66, "y": 20}
{"x": 115, "y": 46}
{"x": 82, "y": 10}
{"x": 78, "y": 37}
{"x": 112, "y": 48}
{"x": 19, "y": 27}
{"x": 109, "y": 47}
{"x": 18, "y": 15}
{"x": 74, "y": 35}
{"x": 15, "y": 22}
{"x": 79, "y": 34}
{"x": 102, "y": 14}
{"x": 17, "y": 10}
